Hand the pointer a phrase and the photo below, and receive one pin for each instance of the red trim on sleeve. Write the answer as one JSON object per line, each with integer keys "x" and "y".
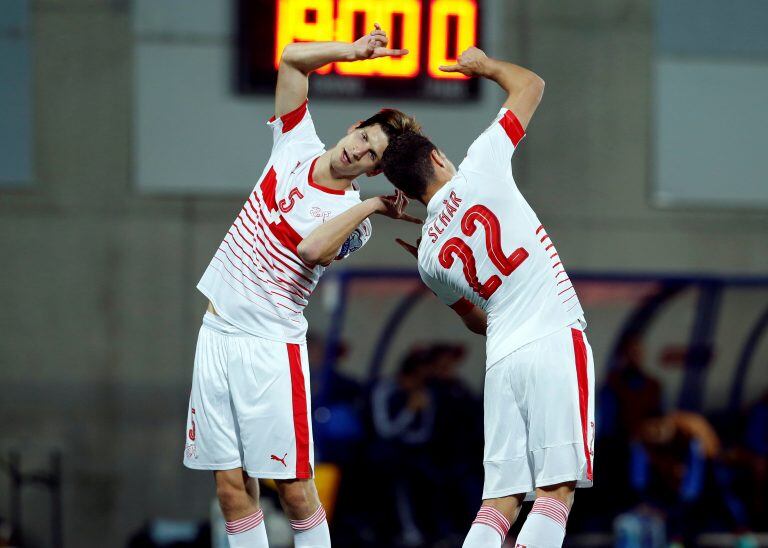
{"x": 322, "y": 188}
{"x": 292, "y": 119}
{"x": 512, "y": 126}
{"x": 462, "y": 307}
{"x": 300, "y": 415}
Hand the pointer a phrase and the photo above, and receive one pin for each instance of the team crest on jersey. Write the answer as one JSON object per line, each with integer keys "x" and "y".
{"x": 190, "y": 451}
{"x": 319, "y": 213}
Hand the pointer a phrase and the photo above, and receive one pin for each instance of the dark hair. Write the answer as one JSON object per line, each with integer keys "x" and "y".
{"x": 407, "y": 163}
{"x": 393, "y": 122}
{"x": 415, "y": 360}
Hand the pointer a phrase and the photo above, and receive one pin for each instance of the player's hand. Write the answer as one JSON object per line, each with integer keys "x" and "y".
{"x": 374, "y": 45}
{"x": 410, "y": 248}
{"x": 470, "y": 63}
{"x": 394, "y": 207}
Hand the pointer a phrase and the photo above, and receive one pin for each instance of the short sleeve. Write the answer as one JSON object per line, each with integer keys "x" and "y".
{"x": 493, "y": 149}
{"x": 446, "y": 295}
{"x": 356, "y": 240}
{"x": 295, "y": 128}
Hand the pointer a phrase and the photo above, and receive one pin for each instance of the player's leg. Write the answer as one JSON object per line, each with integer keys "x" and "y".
{"x": 239, "y": 500}
{"x": 493, "y": 521}
{"x": 212, "y": 436}
{"x": 270, "y": 392}
{"x": 303, "y": 508}
{"x": 560, "y": 432}
{"x": 545, "y": 524}
{"x": 505, "y": 458}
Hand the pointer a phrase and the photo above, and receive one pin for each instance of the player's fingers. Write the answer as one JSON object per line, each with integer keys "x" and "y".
{"x": 386, "y": 52}
{"x": 450, "y": 68}
{"x": 377, "y": 26}
{"x": 408, "y": 247}
{"x": 411, "y": 219}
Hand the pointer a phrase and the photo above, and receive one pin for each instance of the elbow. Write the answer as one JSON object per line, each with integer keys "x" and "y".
{"x": 308, "y": 253}
{"x": 536, "y": 85}
{"x": 289, "y": 54}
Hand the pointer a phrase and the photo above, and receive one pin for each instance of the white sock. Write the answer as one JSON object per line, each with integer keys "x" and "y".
{"x": 489, "y": 529}
{"x": 545, "y": 525}
{"x": 311, "y": 532}
{"x": 248, "y": 532}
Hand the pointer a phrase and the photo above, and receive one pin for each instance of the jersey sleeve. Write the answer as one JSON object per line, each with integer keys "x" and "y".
{"x": 446, "y": 295}
{"x": 295, "y": 130}
{"x": 356, "y": 240}
{"x": 492, "y": 151}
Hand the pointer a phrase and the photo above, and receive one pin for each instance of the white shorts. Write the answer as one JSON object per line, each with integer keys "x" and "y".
{"x": 539, "y": 416}
{"x": 249, "y": 406}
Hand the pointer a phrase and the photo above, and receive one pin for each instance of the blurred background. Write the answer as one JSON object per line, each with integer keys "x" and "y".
{"x": 130, "y": 133}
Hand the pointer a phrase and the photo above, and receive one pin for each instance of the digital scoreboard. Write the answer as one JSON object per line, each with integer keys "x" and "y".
{"x": 435, "y": 32}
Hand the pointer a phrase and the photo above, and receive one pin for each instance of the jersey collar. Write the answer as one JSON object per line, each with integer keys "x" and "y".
{"x": 326, "y": 189}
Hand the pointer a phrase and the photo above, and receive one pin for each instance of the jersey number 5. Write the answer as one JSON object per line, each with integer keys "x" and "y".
{"x": 457, "y": 248}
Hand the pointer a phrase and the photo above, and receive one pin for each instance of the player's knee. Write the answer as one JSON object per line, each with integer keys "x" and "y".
{"x": 562, "y": 491}
{"x": 232, "y": 496}
{"x": 509, "y": 506}
{"x": 297, "y": 499}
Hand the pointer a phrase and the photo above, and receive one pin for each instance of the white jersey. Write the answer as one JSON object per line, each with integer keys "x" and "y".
{"x": 483, "y": 244}
{"x": 256, "y": 279}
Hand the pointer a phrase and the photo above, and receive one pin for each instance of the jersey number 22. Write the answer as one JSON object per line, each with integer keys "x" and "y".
{"x": 457, "y": 248}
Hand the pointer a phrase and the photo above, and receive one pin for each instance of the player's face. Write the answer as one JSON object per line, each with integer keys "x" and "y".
{"x": 359, "y": 151}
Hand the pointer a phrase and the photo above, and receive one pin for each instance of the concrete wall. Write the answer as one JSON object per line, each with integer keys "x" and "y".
{"x": 100, "y": 312}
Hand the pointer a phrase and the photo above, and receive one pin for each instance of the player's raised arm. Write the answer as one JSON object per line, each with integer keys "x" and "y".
{"x": 524, "y": 88}
{"x": 299, "y": 59}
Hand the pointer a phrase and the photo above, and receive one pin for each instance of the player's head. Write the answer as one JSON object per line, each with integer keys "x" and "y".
{"x": 361, "y": 149}
{"x": 412, "y": 163}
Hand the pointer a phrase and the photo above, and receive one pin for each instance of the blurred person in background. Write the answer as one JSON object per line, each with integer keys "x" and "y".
{"x": 340, "y": 433}
{"x": 628, "y": 398}
{"x": 403, "y": 413}
{"x": 457, "y": 409}
{"x": 671, "y": 462}
{"x": 485, "y": 254}
{"x": 756, "y": 444}
{"x": 249, "y": 407}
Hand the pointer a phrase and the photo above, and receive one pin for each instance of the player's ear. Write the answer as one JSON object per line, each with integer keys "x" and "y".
{"x": 438, "y": 157}
{"x": 354, "y": 126}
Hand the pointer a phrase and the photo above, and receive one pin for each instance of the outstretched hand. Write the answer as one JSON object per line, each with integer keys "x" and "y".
{"x": 469, "y": 63}
{"x": 374, "y": 45}
{"x": 410, "y": 248}
{"x": 394, "y": 207}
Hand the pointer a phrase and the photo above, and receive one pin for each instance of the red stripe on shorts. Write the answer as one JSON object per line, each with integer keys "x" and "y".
{"x": 580, "y": 350}
{"x": 300, "y": 417}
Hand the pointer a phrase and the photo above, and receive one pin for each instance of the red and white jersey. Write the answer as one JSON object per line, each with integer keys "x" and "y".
{"x": 256, "y": 279}
{"x": 482, "y": 243}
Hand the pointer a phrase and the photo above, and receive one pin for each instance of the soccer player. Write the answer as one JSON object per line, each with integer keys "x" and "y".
{"x": 249, "y": 409}
{"x": 484, "y": 252}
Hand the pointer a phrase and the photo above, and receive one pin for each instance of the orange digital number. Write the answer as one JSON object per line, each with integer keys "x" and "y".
{"x": 452, "y": 29}
{"x": 357, "y": 15}
{"x": 303, "y": 21}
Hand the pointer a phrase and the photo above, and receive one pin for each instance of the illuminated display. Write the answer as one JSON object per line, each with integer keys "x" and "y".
{"x": 435, "y": 32}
